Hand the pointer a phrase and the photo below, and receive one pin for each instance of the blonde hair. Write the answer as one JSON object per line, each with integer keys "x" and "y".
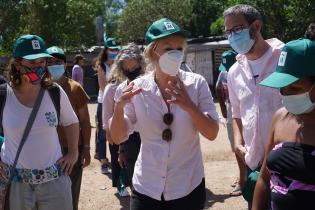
{"x": 131, "y": 51}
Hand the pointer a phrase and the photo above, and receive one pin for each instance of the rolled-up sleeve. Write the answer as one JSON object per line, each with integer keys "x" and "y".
{"x": 205, "y": 101}
{"x": 129, "y": 111}
{"x": 236, "y": 113}
{"x": 108, "y": 104}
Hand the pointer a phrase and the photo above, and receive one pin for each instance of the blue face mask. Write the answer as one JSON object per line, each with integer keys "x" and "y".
{"x": 241, "y": 42}
{"x": 56, "y": 71}
{"x": 112, "y": 55}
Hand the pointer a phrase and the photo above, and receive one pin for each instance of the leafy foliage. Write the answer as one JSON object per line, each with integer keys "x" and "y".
{"x": 71, "y": 23}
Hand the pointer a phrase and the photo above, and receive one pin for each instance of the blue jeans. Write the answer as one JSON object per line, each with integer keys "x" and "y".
{"x": 100, "y": 136}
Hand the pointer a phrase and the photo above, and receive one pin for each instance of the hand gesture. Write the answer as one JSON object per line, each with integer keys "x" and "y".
{"x": 179, "y": 94}
{"x": 128, "y": 93}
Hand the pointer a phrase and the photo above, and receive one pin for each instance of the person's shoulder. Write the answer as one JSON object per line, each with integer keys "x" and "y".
{"x": 73, "y": 83}
{"x": 280, "y": 114}
{"x": 235, "y": 68}
{"x": 275, "y": 44}
{"x": 122, "y": 85}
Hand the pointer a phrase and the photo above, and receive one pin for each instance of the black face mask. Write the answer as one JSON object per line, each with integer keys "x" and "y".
{"x": 131, "y": 75}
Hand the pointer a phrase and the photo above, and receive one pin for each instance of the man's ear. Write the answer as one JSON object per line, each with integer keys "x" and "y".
{"x": 257, "y": 26}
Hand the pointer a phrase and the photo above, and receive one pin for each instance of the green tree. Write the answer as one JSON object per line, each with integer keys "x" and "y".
{"x": 139, "y": 15}
{"x": 203, "y": 14}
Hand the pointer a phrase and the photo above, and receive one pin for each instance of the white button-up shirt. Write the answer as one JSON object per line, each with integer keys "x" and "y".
{"x": 173, "y": 168}
{"x": 254, "y": 104}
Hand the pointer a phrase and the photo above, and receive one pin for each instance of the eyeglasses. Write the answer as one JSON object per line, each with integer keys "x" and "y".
{"x": 167, "y": 133}
{"x": 236, "y": 30}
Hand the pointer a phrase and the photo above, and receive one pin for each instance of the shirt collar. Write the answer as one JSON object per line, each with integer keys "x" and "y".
{"x": 147, "y": 82}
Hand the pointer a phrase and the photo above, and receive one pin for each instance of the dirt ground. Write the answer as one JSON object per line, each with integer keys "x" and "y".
{"x": 220, "y": 172}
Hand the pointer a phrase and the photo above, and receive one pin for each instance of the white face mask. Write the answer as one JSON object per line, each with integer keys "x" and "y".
{"x": 170, "y": 62}
{"x": 298, "y": 104}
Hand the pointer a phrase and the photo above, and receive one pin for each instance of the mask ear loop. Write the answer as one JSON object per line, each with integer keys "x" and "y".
{"x": 309, "y": 93}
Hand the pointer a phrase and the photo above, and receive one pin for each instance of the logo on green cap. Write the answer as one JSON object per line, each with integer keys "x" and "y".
{"x": 282, "y": 58}
{"x": 169, "y": 26}
{"x": 36, "y": 45}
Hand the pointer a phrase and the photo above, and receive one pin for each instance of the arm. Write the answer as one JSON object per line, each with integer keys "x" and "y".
{"x": 119, "y": 125}
{"x": 220, "y": 94}
{"x": 108, "y": 104}
{"x": 85, "y": 125}
{"x": 72, "y": 135}
{"x": 207, "y": 126}
{"x": 101, "y": 77}
{"x": 204, "y": 123}
{"x": 122, "y": 156}
{"x": 238, "y": 138}
{"x": 262, "y": 188}
{"x": 69, "y": 121}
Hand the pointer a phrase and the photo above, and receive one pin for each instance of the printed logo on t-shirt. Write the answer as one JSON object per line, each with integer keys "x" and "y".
{"x": 169, "y": 25}
{"x": 282, "y": 58}
{"x": 51, "y": 119}
{"x": 35, "y": 45}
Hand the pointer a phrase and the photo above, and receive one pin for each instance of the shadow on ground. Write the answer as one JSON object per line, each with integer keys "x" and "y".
{"x": 124, "y": 202}
{"x": 212, "y": 198}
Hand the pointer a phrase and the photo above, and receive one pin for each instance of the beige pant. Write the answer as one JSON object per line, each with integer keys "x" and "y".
{"x": 52, "y": 195}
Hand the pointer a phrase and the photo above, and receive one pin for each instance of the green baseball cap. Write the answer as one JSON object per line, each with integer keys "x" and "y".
{"x": 56, "y": 51}
{"x": 30, "y": 47}
{"x": 296, "y": 60}
{"x": 162, "y": 28}
{"x": 112, "y": 44}
{"x": 227, "y": 60}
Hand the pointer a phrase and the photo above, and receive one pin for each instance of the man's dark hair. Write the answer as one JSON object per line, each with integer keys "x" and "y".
{"x": 250, "y": 13}
{"x": 310, "y": 32}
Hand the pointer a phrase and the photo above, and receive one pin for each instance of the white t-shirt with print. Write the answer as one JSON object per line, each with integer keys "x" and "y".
{"x": 42, "y": 147}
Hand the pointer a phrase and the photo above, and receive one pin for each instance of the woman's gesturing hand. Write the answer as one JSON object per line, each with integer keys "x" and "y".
{"x": 127, "y": 94}
{"x": 179, "y": 95}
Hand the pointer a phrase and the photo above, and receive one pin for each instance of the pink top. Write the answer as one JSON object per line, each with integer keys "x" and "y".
{"x": 252, "y": 103}
{"x": 173, "y": 168}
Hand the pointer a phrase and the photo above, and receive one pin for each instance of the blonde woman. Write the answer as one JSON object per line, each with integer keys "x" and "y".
{"x": 169, "y": 107}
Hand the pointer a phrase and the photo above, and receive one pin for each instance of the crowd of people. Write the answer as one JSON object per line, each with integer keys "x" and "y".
{"x": 151, "y": 110}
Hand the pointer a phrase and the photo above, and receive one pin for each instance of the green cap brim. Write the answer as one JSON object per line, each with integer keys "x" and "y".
{"x": 35, "y": 56}
{"x": 279, "y": 80}
{"x": 222, "y": 67}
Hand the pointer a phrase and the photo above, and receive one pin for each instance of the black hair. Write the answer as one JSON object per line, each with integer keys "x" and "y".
{"x": 62, "y": 57}
{"x": 77, "y": 58}
{"x": 310, "y": 32}
{"x": 250, "y": 13}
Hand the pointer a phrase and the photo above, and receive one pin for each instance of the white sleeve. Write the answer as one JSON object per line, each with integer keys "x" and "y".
{"x": 205, "y": 100}
{"x": 129, "y": 111}
{"x": 108, "y": 104}
{"x": 67, "y": 115}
